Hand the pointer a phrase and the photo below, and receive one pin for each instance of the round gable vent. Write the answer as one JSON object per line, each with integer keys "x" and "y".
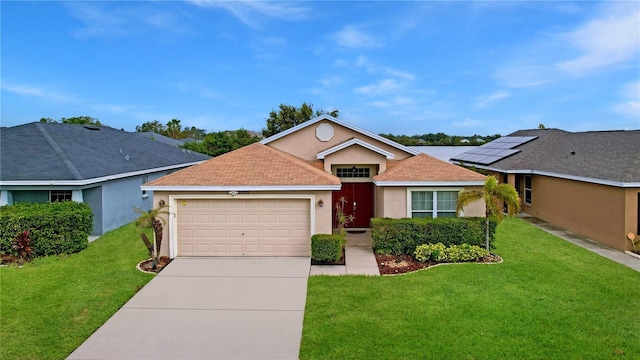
{"x": 324, "y": 132}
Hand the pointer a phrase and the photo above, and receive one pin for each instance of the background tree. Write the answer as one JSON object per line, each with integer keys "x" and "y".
{"x": 289, "y": 116}
{"x": 494, "y": 195}
{"x": 85, "y": 120}
{"x": 151, "y": 126}
{"x": 172, "y": 129}
{"x": 218, "y": 143}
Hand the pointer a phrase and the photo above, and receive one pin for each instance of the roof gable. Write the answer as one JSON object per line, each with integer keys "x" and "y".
{"x": 253, "y": 167}
{"x": 321, "y": 155}
{"x": 424, "y": 170}
{"x": 344, "y": 124}
{"x": 52, "y": 151}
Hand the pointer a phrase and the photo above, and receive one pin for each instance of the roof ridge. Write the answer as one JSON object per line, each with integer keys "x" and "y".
{"x": 59, "y": 152}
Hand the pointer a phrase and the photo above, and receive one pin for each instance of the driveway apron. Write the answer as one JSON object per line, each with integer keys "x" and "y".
{"x": 210, "y": 308}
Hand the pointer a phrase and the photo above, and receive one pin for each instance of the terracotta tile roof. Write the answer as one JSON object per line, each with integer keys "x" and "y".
{"x": 252, "y": 165}
{"x": 423, "y": 167}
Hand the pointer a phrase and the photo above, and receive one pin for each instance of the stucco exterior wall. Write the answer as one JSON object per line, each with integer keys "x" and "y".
{"x": 323, "y": 221}
{"x": 591, "y": 210}
{"x": 306, "y": 145}
{"x": 632, "y": 218}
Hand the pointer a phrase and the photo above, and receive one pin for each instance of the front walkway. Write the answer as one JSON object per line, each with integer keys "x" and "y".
{"x": 611, "y": 254}
{"x": 359, "y": 258}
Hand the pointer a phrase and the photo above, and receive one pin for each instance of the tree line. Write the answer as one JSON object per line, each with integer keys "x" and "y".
{"x": 285, "y": 117}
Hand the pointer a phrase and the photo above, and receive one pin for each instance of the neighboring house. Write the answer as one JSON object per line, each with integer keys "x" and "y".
{"x": 444, "y": 153}
{"x": 586, "y": 182}
{"x": 165, "y": 139}
{"x": 268, "y": 198}
{"x": 98, "y": 165}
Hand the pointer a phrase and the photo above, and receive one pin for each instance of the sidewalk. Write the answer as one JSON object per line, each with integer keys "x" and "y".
{"x": 612, "y": 254}
{"x": 359, "y": 258}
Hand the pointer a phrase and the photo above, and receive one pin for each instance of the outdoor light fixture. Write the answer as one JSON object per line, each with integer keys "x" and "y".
{"x": 233, "y": 193}
{"x": 320, "y": 203}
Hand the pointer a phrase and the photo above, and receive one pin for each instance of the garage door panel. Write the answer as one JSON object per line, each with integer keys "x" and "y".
{"x": 244, "y": 227}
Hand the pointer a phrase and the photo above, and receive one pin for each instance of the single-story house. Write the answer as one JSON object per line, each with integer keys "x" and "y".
{"x": 98, "y": 165}
{"x": 268, "y": 198}
{"x": 586, "y": 182}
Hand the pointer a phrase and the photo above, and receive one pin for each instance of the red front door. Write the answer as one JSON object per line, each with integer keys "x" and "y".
{"x": 358, "y": 202}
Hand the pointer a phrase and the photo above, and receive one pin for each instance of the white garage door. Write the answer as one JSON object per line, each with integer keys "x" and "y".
{"x": 243, "y": 227}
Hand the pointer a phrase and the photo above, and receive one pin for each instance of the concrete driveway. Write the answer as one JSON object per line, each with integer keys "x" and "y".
{"x": 210, "y": 308}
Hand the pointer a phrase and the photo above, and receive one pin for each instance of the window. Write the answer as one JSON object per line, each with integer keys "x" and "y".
{"x": 433, "y": 203}
{"x": 353, "y": 172}
{"x": 60, "y": 195}
{"x": 527, "y": 189}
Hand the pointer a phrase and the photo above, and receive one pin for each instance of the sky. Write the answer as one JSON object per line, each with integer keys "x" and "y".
{"x": 398, "y": 67}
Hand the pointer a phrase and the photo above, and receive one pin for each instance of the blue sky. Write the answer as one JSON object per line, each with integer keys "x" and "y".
{"x": 460, "y": 68}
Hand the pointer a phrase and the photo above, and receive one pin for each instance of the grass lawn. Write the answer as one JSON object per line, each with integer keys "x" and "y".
{"x": 548, "y": 300}
{"x": 51, "y": 305}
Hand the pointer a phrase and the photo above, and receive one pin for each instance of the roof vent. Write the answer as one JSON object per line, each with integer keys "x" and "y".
{"x": 93, "y": 128}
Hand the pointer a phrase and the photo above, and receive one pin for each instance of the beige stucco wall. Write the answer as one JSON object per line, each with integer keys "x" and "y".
{"x": 591, "y": 210}
{"x": 304, "y": 143}
{"x": 356, "y": 155}
{"x": 632, "y": 222}
{"x": 323, "y": 221}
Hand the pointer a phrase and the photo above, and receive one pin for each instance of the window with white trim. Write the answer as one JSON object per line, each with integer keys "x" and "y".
{"x": 60, "y": 195}
{"x": 527, "y": 189}
{"x": 433, "y": 203}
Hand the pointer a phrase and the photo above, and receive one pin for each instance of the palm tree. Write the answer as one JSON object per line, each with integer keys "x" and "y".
{"x": 151, "y": 219}
{"x": 494, "y": 196}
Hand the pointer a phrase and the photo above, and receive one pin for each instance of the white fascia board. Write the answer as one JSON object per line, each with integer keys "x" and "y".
{"x": 93, "y": 180}
{"x": 243, "y": 188}
{"x": 344, "y": 124}
{"x": 428, "y": 183}
{"x": 364, "y": 144}
{"x": 556, "y": 175}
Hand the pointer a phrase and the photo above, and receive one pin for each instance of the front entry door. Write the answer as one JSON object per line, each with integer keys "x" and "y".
{"x": 359, "y": 203}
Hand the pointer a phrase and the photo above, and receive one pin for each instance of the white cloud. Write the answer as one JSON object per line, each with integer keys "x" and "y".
{"x": 610, "y": 39}
{"x": 381, "y": 87}
{"x": 352, "y": 37}
{"x": 116, "y": 19}
{"x": 607, "y": 39}
{"x": 252, "y": 13}
{"x": 331, "y": 81}
{"x": 630, "y": 104}
{"x": 39, "y": 92}
{"x": 486, "y": 100}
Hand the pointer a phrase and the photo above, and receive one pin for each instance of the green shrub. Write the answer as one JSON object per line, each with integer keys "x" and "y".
{"x": 402, "y": 236}
{"x": 327, "y": 247}
{"x": 55, "y": 228}
{"x": 453, "y": 253}
{"x": 430, "y": 252}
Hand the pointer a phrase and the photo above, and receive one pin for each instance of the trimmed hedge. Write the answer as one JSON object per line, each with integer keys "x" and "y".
{"x": 55, "y": 228}
{"x": 327, "y": 247}
{"x": 402, "y": 236}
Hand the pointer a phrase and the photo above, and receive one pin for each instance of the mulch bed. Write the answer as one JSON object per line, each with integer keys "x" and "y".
{"x": 147, "y": 265}
{"x": 402, "y": 264}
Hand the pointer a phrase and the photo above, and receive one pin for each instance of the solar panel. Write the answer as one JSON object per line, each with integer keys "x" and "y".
{"x": 495, "y": 150}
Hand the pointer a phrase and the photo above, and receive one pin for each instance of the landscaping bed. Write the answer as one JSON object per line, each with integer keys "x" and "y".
{"x": 401, "y": 264}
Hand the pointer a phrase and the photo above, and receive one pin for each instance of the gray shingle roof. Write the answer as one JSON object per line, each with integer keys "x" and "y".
{"x": 602, "y": 155}
{"x": 50, "y": 151}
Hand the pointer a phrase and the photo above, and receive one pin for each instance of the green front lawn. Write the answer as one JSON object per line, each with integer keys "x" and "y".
{"x": 51, "y": 305}
{"x": 548, "y": 300}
